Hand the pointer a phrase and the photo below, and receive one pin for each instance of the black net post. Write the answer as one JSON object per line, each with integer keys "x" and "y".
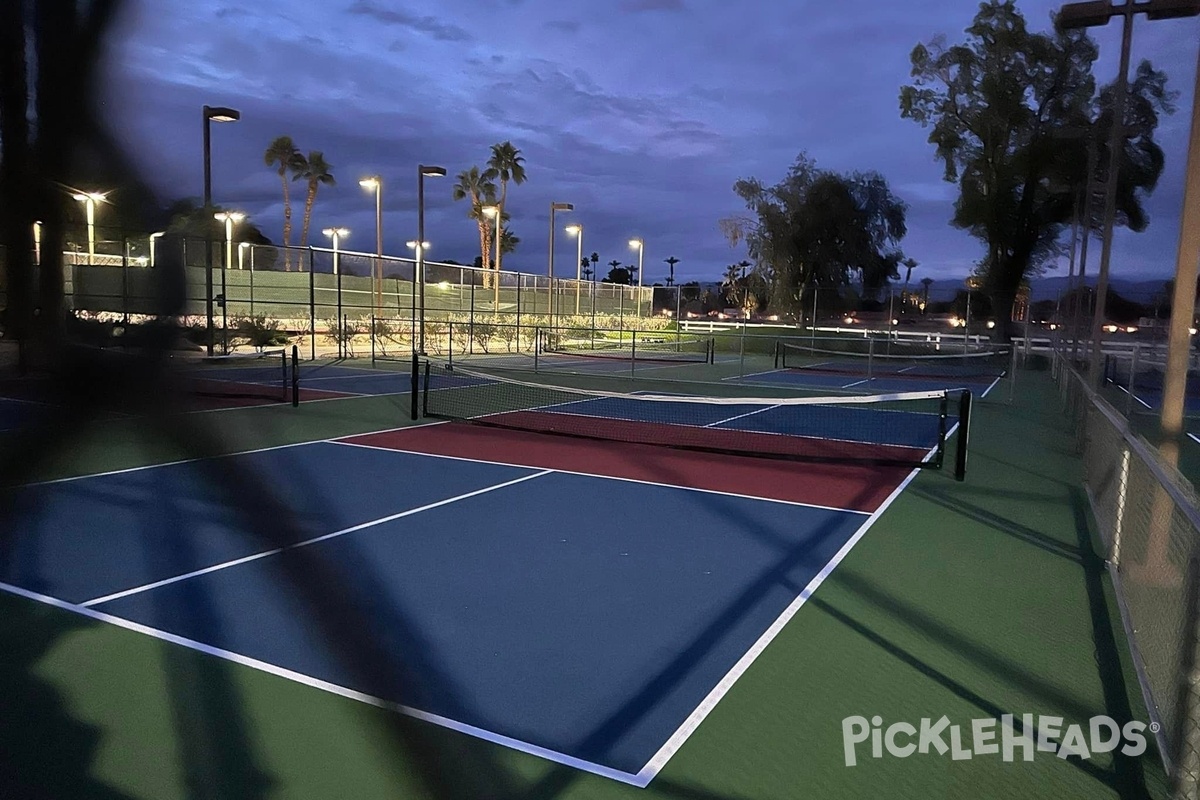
{"x": 373, "y": 339}
{"x": 416, "y": 385}
{"x": 633, "y": 353}
{"x": 312, "y": 309}
{"x": 964, "y": 435}
{"x": 778, "y": 354}
{"x": 295, "y": 376}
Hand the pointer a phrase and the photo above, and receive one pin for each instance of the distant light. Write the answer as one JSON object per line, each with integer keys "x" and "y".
{"x": 774, "y": 318}
{"x": 95, "y": 197}
{"x": 1053, "y": 327}
{"x": 1110, "y": 328}
{"x": 340, "y": 233}
{"x": 991, "y": 323}
{"x": 432, "y": 172}
{"x": 413, "y": 245}
{"x": 692, "y": 315}
{"x": 635, "y": 243}
{"x": 895, "y": 322}
{"x": 849, "y": 320}
{"x": 443, "y": 284}
{"x": 574, "y": 229}
{"x": 1192, "y": 331}
{"x": 1131, "y": 329}
{"x": 488, "y": 211}
{"x": 369, "y": 183}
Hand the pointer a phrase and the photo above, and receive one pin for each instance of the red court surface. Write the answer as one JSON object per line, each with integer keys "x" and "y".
{"x": 852, "y": 487}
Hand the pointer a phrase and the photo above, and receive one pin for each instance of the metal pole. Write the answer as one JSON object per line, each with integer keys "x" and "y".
{"x": 578, "y": 269}
{"x": 1179, "y": 339}
{"x": 312, "y": 309}
{"x": 550, "y": 267}
{"x": 208, "y": 259}
{"x": 496, "y": 261}
{"x": 379, "y": 246}
{"x": 338, "y": 273}
{"x": 1115, "y": 147}
{"x": 419, "y": 267}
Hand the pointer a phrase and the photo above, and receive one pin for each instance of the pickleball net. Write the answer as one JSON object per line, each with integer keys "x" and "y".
{"x": 265, "y": 377}
{"x": 895, "y": 359}
{"x": 906, "y": 429}
{"x": 629, "y": 346}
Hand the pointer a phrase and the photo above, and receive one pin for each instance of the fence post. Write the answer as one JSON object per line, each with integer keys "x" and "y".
{"x": 471, "y": 317}
{"x": 312, "y": 309}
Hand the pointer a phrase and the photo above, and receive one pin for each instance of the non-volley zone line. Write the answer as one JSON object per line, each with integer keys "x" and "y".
{"x": 307, "y": 542}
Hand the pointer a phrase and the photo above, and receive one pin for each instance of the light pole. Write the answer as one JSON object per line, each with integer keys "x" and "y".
{"x": 230, "y": 218}
{"x": 1183, "y": 304}
{"x": 211, "y": 114}
{"x": 1097, "y": 14}
{"x": 423, "y": 172}
{"x": 418, "y": 249}
{"x": 89, "y": 200}
{"x": 495, "y": 213}
{"x": 639, "y": 245}
{"x": 154, "y": 237}
{"x": 37, "y": 243}
{"x": 375, "y": 183}
{"x": 337, "y": 234}
{"x": 577, "y": 230}
{"x": 554, "y": 208}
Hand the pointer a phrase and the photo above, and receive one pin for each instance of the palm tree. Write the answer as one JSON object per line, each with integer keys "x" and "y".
{"x": 910, "y": 264}
{"x": 587, "y": 270}
{"x": 283, "y": 154}
{"x": 508, "y": 241}
{"x": 506, "y": 164}
{"x": 477, "y": 187}
{"x": 926, "y": 282}
{"x": 595, "y": 259}
{"x": 314, "y": 171}
{"x": 671, "y": 262}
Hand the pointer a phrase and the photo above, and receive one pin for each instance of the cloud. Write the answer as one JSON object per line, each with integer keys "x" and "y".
{"x": 431, "y": 26}
{"x": 563, "y": 25}
{"x": 640, "y": 6}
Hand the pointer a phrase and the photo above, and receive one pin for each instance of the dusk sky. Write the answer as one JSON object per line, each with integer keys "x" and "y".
{"x": 642, "y": 113}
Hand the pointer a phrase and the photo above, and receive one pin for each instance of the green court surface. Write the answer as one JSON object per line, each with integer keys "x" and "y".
{"x": 969, "y": 600}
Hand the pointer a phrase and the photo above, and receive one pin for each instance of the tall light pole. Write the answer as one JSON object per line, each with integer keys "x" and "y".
{"x": 554, "y": 208}
{"x": 154, "y": 237}
{"x": 423, "y": 171}
{"x": 577, "y": 230}
{"x": 37, "y": 243}
{"x": 230, "y": 218}
{"x": 1184, "y": 301}
{"x": 495, "y": 213}
{"x": 337, "y": 234}
{"x": 639, "y": 245}
{"x": 418, "y": 249}
{"x": 1097, "y": 14}
{"x": 375, "y": 183}
{"x": 89, "y": 200}
{"x": 211, "y": 114}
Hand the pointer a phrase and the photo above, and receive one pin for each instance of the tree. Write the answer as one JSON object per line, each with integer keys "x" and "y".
{"x": 925, "y": 283}
{"x": 505, "y": 164}
{"x": 314, "y": 171}
{"x": 283, "y": 154}
{"x": 475, "y": 186}
{"x": 585, "y": 268}
{"x": 818, "y": 229}
{"x": 618, "y": 274}
{"x": 595, "y": 259}
{"x": 909, "y": 264}
{"x": 671, "y": 262}
{"x": 999, "y": 108}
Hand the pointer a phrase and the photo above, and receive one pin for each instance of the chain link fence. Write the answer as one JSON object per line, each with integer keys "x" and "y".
{"x": 1148, "y": 516}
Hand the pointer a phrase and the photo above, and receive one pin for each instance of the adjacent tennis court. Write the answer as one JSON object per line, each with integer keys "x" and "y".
{"x": 578, "y": 590}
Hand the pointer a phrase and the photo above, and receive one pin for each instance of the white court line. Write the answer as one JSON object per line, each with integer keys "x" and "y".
{"x": 995, "y": 383}
{"x": 176, "y": 463}
{"x": 596, "y": 475}
{"x": 332, "y": 688}
{"x": 1194, "y": 438}
{"x": 689, "y": 726}
{"x": 275, "y": 551}
{"x": 739, "y": 416}
{"x": 857, "y": 383}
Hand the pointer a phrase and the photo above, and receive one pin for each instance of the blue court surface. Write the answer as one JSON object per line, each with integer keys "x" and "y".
{"x": 586, "y": 619}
